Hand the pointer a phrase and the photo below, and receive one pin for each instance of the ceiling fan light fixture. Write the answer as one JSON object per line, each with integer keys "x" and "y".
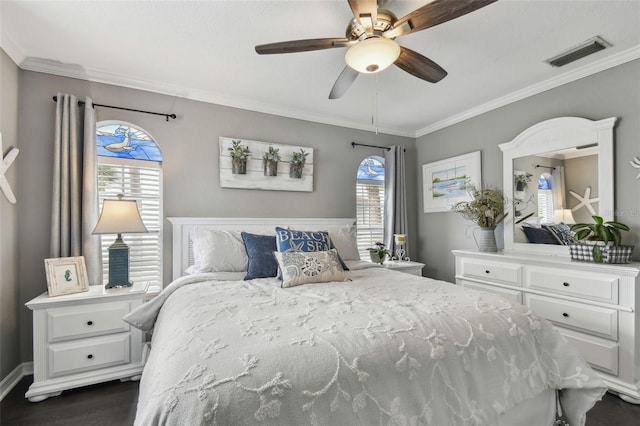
{"x": 372, "y": 55}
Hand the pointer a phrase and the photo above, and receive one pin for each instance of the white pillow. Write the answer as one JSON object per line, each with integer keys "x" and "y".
{"x": 345, "y": 240}
{"x": 309, "y": 267}
{"x": 217, "y": 251}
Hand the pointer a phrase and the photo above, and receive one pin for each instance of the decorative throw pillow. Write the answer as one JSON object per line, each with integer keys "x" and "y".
{"x": 217, "y": 251}
{"x": 346, "y": 241}
{"x": 306, "y": 241}
{"x": 262, "y": 263}
{"x": 562, "y": 232}
{"x": 311, "y": 267}
{"x": 539, "y": 235}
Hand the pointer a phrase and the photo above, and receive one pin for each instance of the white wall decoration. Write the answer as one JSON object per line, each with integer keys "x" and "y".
{"x": 4, "y": 165}
{"x": 635, "y": 163}
{"x": 584, "y": 200}
{"x": 255, "y": 177}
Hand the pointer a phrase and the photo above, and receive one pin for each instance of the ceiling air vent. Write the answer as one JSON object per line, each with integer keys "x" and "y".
{"x": 585, "y": 48}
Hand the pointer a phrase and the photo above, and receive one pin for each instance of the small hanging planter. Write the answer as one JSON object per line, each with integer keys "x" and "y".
{"x": 239, "y": 156}
{"x": 296, "y": 166}
{"x": 239, "y": 166}
{"x": 270, "y": 161}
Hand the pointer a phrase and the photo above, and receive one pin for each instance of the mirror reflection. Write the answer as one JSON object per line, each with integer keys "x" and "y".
{"x": 552, "y": 191}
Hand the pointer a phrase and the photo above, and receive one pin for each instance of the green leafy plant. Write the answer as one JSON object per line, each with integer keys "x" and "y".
{"x": 272, "y": 154}
{"x": 299, "y": 159}
{"x": 239, "y": 151}
{"x": 380, "y": 251}
{"x": 486, "y": 209}
{"x": 599, "y": 231}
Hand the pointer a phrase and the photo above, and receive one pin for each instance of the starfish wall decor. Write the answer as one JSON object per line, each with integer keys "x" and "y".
{"x": 4, "y": 165}
{"x": 585, "y": 200}
{"x": 635, "y": 163}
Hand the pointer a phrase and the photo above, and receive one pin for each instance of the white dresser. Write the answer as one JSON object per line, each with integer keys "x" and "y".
{"x": 592, "y": 305}
{"x": 80, "y": 339}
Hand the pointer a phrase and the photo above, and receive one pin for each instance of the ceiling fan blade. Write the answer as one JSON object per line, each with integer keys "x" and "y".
{"x": 344, "y": 81}
{"x": 434, "y": 13}
{"x": 302, "y": 45}
{"x": 419, "y": 66}
{"x": 366, "y": 12}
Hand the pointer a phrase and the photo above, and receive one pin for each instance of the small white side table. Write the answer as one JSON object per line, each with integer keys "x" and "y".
{"x": 408, "y": 267}
{"x": 80, "y": 339}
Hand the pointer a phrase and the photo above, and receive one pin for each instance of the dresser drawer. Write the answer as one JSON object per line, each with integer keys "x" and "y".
{"x": 489, "y": 271}
{"x": 599, "y": 353}
{"x": 73, "y": 322}
{"x": 589, "y": 319}
{"x": 88, "y": 354}
{"x": 512, "y": 295}
{"x": 593, "y": 286}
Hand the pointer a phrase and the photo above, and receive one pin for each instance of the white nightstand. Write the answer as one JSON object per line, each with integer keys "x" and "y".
{"x": 414, "y": 268}
{"x": 80, "y": 339}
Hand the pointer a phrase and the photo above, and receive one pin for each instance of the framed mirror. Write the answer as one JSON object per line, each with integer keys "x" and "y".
{"x": 556, "y": 172}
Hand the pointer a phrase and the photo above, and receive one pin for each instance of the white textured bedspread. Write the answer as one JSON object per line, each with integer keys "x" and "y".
{"x": 385, "y": 348}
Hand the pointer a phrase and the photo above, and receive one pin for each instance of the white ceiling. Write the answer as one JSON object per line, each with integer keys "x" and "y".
{"x": 204, "y": 50}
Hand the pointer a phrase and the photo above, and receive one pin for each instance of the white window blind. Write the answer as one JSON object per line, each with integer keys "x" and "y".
{"x": 545, "y": 205}
{"x": 370, "y": 214}
{"x": 143, "y": 184}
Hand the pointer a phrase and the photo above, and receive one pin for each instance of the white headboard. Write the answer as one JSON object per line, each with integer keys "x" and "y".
{"x": 182, "y": 227}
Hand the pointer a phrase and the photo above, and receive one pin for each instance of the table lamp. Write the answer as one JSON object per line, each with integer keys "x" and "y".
{"x": 563, "y": 216}
{"x": 119, "y": 217}
{"x": 400, "y": 240}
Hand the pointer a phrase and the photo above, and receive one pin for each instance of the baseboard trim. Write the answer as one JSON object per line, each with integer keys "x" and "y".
{"x": 12, "y": 379}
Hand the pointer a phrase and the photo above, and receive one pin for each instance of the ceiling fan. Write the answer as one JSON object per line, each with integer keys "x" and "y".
{"x": 370, "y": 37}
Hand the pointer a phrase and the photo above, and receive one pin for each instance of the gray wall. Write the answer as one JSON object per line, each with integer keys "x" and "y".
{"x": 9, "y": 288}
{"x": 189, "y": 146}
{"x": 611, "y": 93}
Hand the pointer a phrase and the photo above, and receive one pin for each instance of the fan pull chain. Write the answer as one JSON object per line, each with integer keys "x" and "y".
{"x": 374, "y": 107}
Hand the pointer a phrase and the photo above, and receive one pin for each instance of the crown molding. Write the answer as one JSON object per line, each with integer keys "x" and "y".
{"x": 568, "y": 77}
{"x": 98, "y": 76}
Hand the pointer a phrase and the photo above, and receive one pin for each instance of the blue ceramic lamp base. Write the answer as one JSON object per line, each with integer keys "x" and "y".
{"x": 119, "y": 264}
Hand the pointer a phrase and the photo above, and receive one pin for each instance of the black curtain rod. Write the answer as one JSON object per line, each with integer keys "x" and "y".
{"x": 546, "y": 167}
{"x": 167, "y": 116}
{"x": 354, "y": 144}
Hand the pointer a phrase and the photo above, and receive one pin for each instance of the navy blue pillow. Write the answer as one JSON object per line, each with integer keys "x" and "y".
{"x": 262, "y": 262}
{"x": 539, "y": 235}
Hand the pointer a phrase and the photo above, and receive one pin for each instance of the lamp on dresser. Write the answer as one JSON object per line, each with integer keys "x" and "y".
{"x": 119, "y": 217}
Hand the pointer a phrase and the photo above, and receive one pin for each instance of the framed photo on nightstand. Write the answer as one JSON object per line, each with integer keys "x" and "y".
{"x": 66, "y": 275}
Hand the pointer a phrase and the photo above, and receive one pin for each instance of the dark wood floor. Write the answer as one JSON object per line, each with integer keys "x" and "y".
{"x": 114, "y": 403}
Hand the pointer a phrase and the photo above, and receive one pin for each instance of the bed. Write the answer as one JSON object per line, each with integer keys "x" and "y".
{"x": 368, "y": 346}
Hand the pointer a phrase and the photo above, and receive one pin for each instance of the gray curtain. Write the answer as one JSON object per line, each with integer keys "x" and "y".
{"x": 557, "y": 188}
{"x": 395, "y": 197}
{"x": 74, "y": 207}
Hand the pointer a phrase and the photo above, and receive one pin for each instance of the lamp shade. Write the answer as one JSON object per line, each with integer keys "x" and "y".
{"x": 119, "y": 217}
{"x": 372, "y": 55}
{"x": 563, "y": 216}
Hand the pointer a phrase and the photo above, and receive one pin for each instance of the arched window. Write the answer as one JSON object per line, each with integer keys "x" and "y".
{"x": 545, "y": 198}
{"x": 130, "y": 163}
{"x": 370, "y": 203}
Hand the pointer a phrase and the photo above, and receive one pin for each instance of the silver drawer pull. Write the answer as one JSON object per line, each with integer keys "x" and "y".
{"x": 566, "y": 284}
{"x": 89, "y": 322}
{"x": 566, "y": 315}
{"x": 90, "y": 356}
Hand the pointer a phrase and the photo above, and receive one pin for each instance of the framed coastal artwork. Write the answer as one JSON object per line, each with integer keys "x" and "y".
{"x": 445, "y": 182}
{"x": 66, "y": 275}
{"x": 269, "y": 166}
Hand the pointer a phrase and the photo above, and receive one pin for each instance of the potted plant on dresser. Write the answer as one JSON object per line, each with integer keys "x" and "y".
{"x": 487, "y": 210}
{"x": 601, "y": 242}
{"x": 298, "y": 160}
{"x": 239, "y": 156}
{"x": 270, "y": 161}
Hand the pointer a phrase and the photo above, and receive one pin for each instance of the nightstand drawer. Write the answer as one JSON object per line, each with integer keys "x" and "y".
{"x": 600, "y": 287}
{"x": 88, "y": 320}
{"x": 88, "y": 354}
{"x": 589, "y": 319}
{"x": 510, "y": 274}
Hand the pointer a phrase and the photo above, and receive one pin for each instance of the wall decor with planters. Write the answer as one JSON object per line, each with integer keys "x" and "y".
{"x": 251, "y": 164}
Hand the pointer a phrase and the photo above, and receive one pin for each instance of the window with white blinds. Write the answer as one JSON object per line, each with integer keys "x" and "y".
{"x": 140, "y": 181}
{"x": 370, "y": 204}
